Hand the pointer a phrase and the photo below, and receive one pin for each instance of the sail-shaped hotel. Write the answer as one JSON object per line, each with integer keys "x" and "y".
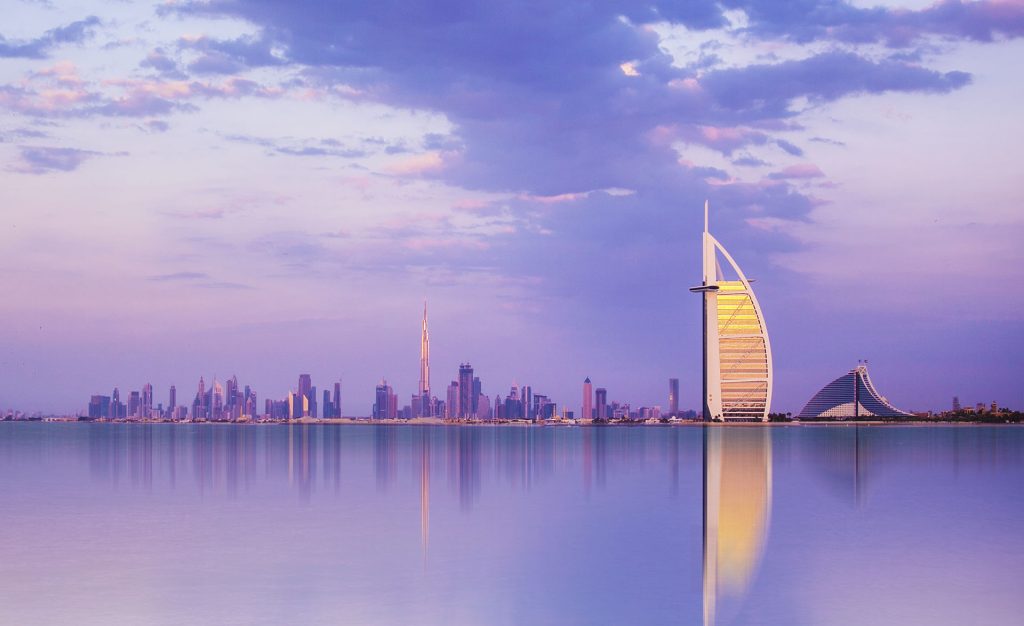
{"x": 737, "y": 353}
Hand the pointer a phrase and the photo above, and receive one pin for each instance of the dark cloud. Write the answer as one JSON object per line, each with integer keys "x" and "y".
{"x": 749, "y": 161}
{"x": 835, "y": 20}
{"x": 230, "y": 56}
{"x": 40, "y": 47}
{"x": 163, "y": 64}
{"x": 790, "y": 148}
{"x": 767, "y": 91}
{"x": 552, "y": 101}
{"x": 41, "y": 160}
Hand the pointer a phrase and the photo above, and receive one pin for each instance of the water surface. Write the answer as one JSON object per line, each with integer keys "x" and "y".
{"x": 175, "y": 524}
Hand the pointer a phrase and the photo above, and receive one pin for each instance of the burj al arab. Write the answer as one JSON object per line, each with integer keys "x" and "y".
{"x": 737, "y": 353}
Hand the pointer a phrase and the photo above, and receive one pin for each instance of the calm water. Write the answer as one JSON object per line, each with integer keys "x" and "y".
{"x": 176, "y": 524}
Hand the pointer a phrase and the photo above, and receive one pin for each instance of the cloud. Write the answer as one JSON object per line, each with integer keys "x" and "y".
{"x": 167, "y": 67}
{"x": 179, "y": 276}
{"x": 798, "y": 171}
{"x": 40, "y": 47}
{"x": 767, "y": 91}
{"x": 230, "y": 56}
{"x": 42, "y": 160}
{"x": 749, "y": 161}
{"x": 789, "y": 148}
{"x": 60, "y": 93}
{"x": 197, "y": 279}
{"x": 301, "y": 147}
{"x": 835, "y": 20}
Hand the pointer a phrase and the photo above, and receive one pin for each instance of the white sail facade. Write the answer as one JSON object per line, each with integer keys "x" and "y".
{"x": 737, "y": 352}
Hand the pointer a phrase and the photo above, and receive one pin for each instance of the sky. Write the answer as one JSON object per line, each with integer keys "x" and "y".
{"x": 268, "y": 188}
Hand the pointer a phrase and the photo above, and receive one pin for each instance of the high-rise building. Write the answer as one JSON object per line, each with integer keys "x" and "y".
{"x": 588, "y": 400}
{"x": 673, "y": 397}
{"x": 737, "y": 353}
{"x": 172, "y": 401}
{"x": 306, "y": 390}
{"x": 147, "y": 400}
{"x": 465, "y": 391}
{"x": 328, "y": 412}
{"x": 99, "y": 406}
{"x": 451, "y": 406}
{"x": 956, "y": 403}
{"x": 134, "y": 404}
{"x": 217, "y": 404}
{"x": 199, "y": 405}
{"x": 115, "y": 405}
{"x": 382, "y": 408}
{"x": 424, "y": 387}
{"x": 601, "y": 398}
{"x": 336, "y": 403}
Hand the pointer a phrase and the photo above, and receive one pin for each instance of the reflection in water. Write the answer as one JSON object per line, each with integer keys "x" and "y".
{"x": 737, "y": 510}
{"x": 421, "y": 524}
{"x": 424, "y": 493}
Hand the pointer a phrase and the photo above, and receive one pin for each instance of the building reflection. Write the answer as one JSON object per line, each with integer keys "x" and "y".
{"x": 425, "y": 493}
{"x": 737, "y": 511}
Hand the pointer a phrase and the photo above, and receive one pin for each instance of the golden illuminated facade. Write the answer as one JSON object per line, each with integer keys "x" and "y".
{"x": 737, "y": 353}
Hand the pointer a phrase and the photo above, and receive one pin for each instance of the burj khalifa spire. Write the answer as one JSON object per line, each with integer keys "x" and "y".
{"x": 424, "y": 389}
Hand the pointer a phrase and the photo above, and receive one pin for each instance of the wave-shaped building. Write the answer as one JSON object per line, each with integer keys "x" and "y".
{"x": 737, "y": 353}
{"x": 852, "y": 395}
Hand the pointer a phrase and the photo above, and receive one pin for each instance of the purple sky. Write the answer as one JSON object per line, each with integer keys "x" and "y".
{"x": 265, "y": 188}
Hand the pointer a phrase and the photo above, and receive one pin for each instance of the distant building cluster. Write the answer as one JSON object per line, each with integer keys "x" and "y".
{"x": 227, "y": 402}
{"x": 464, "y": 401}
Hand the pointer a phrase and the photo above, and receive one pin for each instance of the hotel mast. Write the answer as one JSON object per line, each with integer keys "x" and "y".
{"x": 737, "y": 353}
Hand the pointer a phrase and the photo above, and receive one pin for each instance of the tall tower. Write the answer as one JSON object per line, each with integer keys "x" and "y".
{"x": 588, "y": 400}
{"x": 465, "y": 391}
{"x": 424, "y": 388}
{"x": 673, "y": 397}
{"x": 601, "y": 395}
{"x": 147, "y": 400}
{"x": 737, "y": 353}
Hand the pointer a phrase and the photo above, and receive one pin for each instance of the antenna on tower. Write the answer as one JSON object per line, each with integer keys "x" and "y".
{"x": 705, "y": 215}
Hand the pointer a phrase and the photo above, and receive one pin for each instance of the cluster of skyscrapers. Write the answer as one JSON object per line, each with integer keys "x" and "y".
{"x": 464, "y": 400}
{"x": 217, "y": 403}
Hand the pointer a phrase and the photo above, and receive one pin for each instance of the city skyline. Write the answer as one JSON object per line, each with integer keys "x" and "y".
{"x": 242, "y": 187}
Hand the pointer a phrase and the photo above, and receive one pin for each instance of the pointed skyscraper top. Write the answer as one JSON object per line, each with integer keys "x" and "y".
{"x": 587, "y": 379}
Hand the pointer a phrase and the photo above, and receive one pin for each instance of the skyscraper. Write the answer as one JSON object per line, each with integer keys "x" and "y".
{"x": 673, "y": 397}
{"x": 601, "y": 396}
{"x": 147, "y": 400}
{"x": 382, "y": 408}
{"x": 465, "y": 391}
{"x": 134, "y": 404}
{"x": 451, "y": 405}
{"x": 424, "y": 387}
{"x": 336, "y": 403}
{"x": 172, "y": 401}
{"x": 217, "y": 405}
{"x": 588, "y": 400}
{"x": 305, "y": 391}
{"x": 199, "y": 406}
{"x": 737, "y": 353}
